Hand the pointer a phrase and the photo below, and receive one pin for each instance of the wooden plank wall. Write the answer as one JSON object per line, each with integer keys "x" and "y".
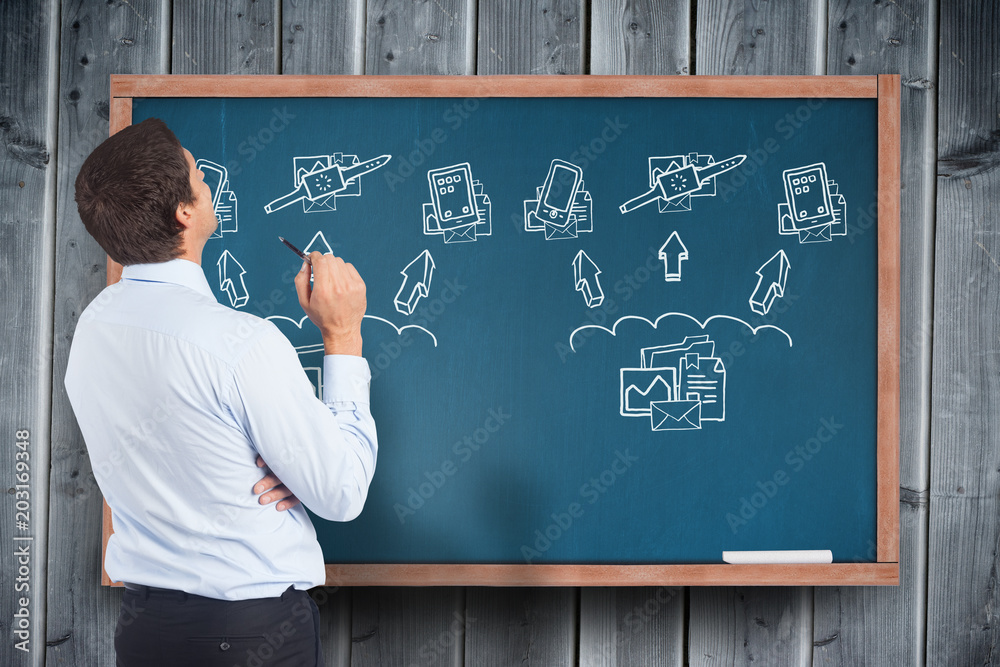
{"x": 964, "y": 532}
{"x": 900, "y": 39}
{"x": 27, "y": 224}
{"x": 57, "y": 56}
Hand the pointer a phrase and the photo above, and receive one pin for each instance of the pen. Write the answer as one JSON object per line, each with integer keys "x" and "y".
{"x": 296, "y": 250}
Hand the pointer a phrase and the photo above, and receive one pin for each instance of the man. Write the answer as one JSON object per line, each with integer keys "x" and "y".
{"x": 181, "y": 399}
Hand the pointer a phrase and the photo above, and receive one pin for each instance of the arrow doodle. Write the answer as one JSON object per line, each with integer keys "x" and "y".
{"x": 673, "y": 252}
{"x": 770, "y": 284}
{"x": 318, "y": 243}
{"x": 585, "y": 279}
{"x": 416, "y": 282}
{"x": 231, "y": 280}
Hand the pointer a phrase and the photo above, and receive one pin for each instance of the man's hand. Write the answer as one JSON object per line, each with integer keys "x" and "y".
{"x": 335, "y": 301}
{"x": 274, "y": 490}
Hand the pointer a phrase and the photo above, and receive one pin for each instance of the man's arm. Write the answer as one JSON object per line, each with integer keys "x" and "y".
{"x": 323, "y": 452}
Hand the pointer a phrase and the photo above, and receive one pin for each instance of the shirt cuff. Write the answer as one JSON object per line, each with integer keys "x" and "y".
{"x": 346, "y": 378}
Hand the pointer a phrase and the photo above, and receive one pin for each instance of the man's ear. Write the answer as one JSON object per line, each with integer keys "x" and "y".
{"x": 184, "y": 215}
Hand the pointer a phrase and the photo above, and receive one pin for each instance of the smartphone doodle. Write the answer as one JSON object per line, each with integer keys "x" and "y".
{"x": 558, "y": 193}
{"x": 224, "y": 202}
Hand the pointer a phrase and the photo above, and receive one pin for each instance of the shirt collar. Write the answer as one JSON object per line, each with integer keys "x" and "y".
{"x": 182, "y": 272}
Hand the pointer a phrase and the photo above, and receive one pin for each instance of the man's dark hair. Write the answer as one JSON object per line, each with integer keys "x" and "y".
{"x": 128, "y": 191}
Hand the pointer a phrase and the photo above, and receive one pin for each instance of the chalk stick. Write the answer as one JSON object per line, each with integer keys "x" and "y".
{"x": 770, "y": 557}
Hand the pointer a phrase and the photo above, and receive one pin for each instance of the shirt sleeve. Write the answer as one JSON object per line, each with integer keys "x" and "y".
{"x": 324, "y": 451}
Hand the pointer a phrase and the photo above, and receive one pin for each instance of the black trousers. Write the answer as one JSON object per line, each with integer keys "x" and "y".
{"x": 158, "y": 627}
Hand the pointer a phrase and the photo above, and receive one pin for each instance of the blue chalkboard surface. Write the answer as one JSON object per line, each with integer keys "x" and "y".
{"x": 601, "y": 330}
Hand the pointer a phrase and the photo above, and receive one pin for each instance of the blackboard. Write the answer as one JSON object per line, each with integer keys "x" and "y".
{"x": 560, "y": 377}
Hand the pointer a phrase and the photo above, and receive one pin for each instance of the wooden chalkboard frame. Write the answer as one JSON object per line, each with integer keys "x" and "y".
{"x": 885, "y": 87}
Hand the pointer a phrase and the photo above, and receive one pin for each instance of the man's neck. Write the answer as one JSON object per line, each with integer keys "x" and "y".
{"x": 190, "y": 254}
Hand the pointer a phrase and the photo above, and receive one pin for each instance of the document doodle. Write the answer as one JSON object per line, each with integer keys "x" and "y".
{"x": 813, "y": 208}
{"x": 562, "y": 208}
{"x": 458, "y": 210}
{"x": 678, "y": 386}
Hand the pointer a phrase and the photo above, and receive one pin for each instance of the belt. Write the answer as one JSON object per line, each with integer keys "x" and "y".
{"x": 146, "y": 590}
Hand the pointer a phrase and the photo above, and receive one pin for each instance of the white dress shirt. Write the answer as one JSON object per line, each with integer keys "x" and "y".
{"x": 176, "y": 395}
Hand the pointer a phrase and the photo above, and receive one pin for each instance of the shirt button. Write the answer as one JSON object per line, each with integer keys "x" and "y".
{"x": 224, "y": 646}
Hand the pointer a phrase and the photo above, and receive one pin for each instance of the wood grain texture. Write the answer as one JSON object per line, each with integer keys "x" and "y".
{"x": 96, "y": 39}
{"x": 233, "y": 37}
{"x": 632, "y": 626}
{"x": 334, "y": 605}
{"x": 964, "y": 531}
{"x": 556, "y": 575}
{"x": 640, "y": 37}
{"x": 854, "y": 624}
{"x": 27, "y": 223}
{"x": 321, "y": 37}
{"x": 760, "y": 37}
{"x": 754, "y": 37}
{"x": 493, "y": 86}
{"x": 404, "y": 626}
{"x": 532, "y": 37}
{"x": 521, "y": 626}
{"x": 423, "y": 37}
{"x": 887, "y": 428}
{"x": 750, "y": 626}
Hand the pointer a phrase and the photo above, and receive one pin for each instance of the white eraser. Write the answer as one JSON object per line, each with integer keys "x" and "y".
{"x": 769, "y": 557}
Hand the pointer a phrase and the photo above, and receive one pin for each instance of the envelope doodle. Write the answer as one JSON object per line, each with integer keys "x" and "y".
{"x": 675, "y": 415}
{"x": 678, "y": 386}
